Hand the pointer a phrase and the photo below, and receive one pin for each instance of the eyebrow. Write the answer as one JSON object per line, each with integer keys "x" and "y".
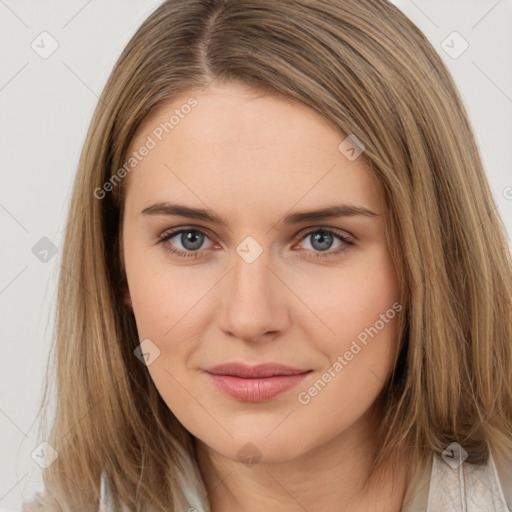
{"x": 331, "y": 211}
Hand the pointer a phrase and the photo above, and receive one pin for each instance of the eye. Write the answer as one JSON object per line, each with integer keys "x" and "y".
{"x": 322, "y": 239}
{"x": 191, "y": 241}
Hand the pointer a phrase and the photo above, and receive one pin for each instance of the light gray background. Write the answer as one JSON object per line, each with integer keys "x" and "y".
{"x": 45, "y": 108}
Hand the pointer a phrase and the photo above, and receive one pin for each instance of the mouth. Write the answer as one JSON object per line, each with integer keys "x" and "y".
{"x": 255, "y": 383}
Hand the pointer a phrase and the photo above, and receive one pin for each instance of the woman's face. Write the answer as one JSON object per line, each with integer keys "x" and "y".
{"x": 257, "y": 277}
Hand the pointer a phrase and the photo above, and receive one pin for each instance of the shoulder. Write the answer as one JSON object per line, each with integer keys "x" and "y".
{"x": 477, "y": 487}
{"x": 451, "y": 485}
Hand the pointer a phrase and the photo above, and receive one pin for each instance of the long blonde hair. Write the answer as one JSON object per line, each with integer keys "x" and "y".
{"x": 370, "y": 72}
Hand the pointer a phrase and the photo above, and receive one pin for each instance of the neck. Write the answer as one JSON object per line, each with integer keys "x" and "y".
{"x": 332, "y": 477}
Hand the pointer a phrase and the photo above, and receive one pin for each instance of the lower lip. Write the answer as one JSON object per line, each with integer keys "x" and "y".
{"x": 256, "y": 390}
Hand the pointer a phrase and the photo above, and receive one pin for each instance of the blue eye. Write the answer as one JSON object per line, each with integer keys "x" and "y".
{"x": 190, "y": 239}
{"x": 321, "y": 240}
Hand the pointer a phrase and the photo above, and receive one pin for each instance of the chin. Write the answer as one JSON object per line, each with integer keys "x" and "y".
{"x": 258, "y": 449}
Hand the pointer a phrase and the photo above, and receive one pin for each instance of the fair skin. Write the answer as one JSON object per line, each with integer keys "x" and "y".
{"x": 251, "y": 159}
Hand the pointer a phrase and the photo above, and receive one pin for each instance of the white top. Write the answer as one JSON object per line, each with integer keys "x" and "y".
{"x": 439, "y": 488}
{"x": 466, "y": 488}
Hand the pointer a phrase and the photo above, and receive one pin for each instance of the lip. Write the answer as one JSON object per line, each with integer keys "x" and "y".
{"x": 255, "y": 383}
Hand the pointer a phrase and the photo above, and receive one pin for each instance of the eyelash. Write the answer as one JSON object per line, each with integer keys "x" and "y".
{"x": 347, "y": 242}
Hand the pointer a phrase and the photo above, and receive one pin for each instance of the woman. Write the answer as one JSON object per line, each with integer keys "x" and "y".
{"x": 286, "y": 284}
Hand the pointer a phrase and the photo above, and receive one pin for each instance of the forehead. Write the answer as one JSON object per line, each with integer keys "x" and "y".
{"x": 234, "y": 143}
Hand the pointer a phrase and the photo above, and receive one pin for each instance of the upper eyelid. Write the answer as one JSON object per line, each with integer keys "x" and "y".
{"x": 176, "y": 231}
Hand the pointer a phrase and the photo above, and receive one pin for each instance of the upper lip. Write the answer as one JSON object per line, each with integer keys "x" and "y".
{"x": 257, "y": 371}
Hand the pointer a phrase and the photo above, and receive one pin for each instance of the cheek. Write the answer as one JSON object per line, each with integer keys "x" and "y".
{"x": 360, "y": 308}
{"x": 351, "y": 299}
{"x": 369, "y": 334}
{"x": 163, "y": 294}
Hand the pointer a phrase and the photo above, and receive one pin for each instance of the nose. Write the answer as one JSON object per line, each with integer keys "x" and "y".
{"x": 254, "y": 301}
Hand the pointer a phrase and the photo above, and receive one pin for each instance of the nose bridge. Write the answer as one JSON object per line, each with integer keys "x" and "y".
{"x": 252, "y": 303}
{"x": 251, "y": 278}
